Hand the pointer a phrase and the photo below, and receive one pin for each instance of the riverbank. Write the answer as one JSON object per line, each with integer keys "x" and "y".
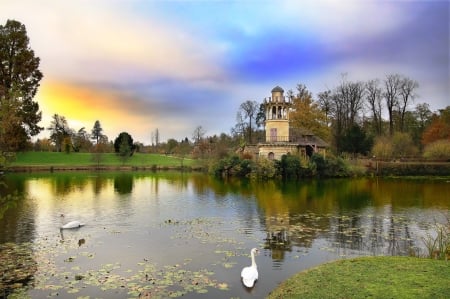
{"x": 370, "y": 277}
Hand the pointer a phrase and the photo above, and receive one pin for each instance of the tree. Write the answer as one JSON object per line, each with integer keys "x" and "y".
{"x": 306, "y": 114}
{"x": 248, "y": 110}
{"x": 392, "y": 85}
{"x": 198, "y": 134}
{"x": 80, "y": 141}
{"x": 326, "y": 104}
{"x": 96, "y": 132}
{"x": 374, "y": 100}
{"x": 60, "y": 131}
{"x": 19, "y": 82}
{"x": 261, "y": 116}
{"x": 439, "y": 127}
{"x": 407, "y": 94}
{"x": 171, "y": 145}
{"x": 123, "y": 144}
{"x": 356, "y": 141}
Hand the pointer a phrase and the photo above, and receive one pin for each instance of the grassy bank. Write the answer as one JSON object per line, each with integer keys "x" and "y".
{"x": 43, "y": 160}
{"x": 370, "y": 277}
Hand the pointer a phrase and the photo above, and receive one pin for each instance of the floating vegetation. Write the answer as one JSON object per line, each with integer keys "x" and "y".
{"x": 17, "y": 266}
{"x": 76, "y": 264}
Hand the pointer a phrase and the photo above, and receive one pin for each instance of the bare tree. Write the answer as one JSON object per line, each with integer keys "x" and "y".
{"x": 374, "y": 99}
{"x": 392, "y": 85}
{"x": 407, "y": 95}
{"x": 198, "y": 134}
{"x": 326, "y": 104}
{"x": 351, "y": 94}
{"x": 249, "y": 110}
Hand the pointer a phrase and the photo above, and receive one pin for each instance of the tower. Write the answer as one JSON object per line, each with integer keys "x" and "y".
{"x": 277, "y": 116}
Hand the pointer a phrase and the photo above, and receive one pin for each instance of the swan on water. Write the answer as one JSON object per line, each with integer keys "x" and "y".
{"x": 72, "y": 224}
{"x": 250, "y": 274}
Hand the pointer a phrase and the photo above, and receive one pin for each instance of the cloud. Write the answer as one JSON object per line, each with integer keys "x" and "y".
{"x": 102, "y": 41}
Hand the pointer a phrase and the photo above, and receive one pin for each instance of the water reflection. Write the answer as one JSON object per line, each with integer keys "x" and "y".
{"x": 137, "y": 218}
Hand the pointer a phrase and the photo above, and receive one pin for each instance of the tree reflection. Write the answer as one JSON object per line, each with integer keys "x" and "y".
{"x": 123, "y": 183}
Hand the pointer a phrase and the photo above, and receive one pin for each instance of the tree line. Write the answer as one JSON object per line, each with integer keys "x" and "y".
{"x": 350, "y": 116}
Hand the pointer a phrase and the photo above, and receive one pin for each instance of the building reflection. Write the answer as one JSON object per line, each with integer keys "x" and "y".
{"x": 344, "y": 216}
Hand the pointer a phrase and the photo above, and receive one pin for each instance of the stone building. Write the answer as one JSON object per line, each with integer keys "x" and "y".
{"x": 280, "y": 136}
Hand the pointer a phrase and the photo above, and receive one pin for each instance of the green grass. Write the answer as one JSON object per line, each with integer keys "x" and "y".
{"x": 48, "y": 159}
{"x": 370, "y": 277}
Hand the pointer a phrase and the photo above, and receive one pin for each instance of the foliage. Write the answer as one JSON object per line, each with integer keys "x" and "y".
{"x": 308, "y": 115}
{"x": 123, "y": 144}
{"x": 399, "y": 146}
{"x": 80, "y": 141}
{"x": 438, "y": 245}
{"x": 265, "y": 169}
{"x": 233, "y": 166}
{"x": 403, "y": 145}
{"x": 356, "y": 141}
{"x": 382, "y": 148}
{"x": 438, "y": 150}
{"x": 439, "y": 127}
{"x": 290, "y": 167}
{"x": 329, "y": 167}
{"x": 400, "y": 277}
{"x": 19, "y": 81}
{"x": 59, "y": 131}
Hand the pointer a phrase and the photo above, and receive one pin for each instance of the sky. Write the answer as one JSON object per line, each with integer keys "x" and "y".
{"x": 141, "y": 65}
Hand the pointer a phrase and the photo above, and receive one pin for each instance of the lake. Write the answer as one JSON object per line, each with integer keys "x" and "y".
{"x": 171, "y": 234}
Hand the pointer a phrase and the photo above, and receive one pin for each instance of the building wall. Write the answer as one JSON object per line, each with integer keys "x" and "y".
{"x": 282, "y": 127}
{"x": 278, "y": 150}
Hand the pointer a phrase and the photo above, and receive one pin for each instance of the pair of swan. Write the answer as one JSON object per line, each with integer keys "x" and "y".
{"x": 249, "y": 274}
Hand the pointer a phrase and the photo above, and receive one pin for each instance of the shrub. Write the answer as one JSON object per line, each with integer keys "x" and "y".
{"x": 439, "y": 150}
{"x": 265, "y": 169}
{"x": 383, "y": 148}
{"x": 290, "y": 166}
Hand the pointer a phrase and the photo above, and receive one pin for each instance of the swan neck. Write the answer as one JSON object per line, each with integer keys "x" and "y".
{"x": 253, "y": 259}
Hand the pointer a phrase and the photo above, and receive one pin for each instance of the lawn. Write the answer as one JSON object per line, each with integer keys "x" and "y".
{"x": 370, "y": 277}
{"x": 49, "y": 159}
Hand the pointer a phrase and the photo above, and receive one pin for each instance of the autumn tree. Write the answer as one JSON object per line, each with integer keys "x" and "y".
{"x": 19, "y": 82}
{"x": 439, "y": 127}
{"x": 326, "y": 105}
{"x": 306, "y": 114}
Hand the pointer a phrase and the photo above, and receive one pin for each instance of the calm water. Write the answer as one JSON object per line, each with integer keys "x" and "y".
{"x": 171, "y": 234}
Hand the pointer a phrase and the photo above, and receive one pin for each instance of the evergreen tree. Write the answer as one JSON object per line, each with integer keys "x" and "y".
{"x": 19, "y": 81}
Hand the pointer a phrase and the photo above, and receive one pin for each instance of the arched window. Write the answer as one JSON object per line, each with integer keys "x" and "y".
{"x": 271, "y": 156}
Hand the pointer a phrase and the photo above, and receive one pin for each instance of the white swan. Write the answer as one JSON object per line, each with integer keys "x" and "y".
{"x": 250, "y": 274}
{"x": 72, "y": 224}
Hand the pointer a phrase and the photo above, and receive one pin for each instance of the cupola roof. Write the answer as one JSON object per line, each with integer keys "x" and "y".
{"x": 277, "y": 89}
